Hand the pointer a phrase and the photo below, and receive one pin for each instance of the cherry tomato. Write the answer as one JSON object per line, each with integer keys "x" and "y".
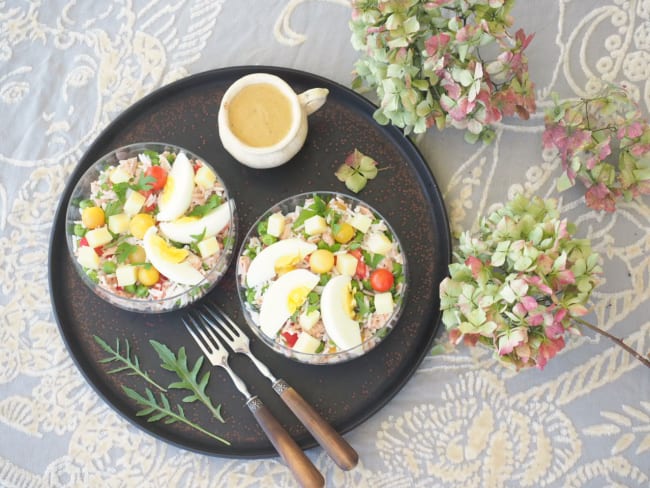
{"x": 381, "y": 280}
{"x": 160, "y": 176}
{"x": 290, "y": 338}
{"x": 362, "y": 269}
{"x": 83, "y": 242}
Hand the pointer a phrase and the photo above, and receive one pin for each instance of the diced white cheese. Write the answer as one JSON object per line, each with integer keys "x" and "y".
{"x": 118, "y": 223}
{"x": 276, "y": 224}
{"x": 306, "y": 343}
{"x": 205, "y": 177}
{"x": 119, "y": 175}
{"x": 315, "y": 225}
{"x": 378, "y": 243}
{"x": 126, "y": 275}
{"x": 384, "y": 302}
{"x": 87, "y": 257}
{"x": 346, "y": 264}
{"x": 208, "y": 247}
{"x": 361, "y": 222}
{"x": 308, "y": 320}
{"x": 99, "y": 236}
{"x": 134, "y": 203}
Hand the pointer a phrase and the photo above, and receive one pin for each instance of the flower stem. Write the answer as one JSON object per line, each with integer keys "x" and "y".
{"x": 616, "y": 340}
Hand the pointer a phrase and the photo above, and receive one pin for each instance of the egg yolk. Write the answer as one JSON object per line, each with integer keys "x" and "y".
{"x": 186, "y": 219}
{"x": 348, "y": 303}
{"x": 168, "y": 253}
{"x": 168, "y": 190}
{"x": 296, "y": 298}
{"x": 284, "y": 264}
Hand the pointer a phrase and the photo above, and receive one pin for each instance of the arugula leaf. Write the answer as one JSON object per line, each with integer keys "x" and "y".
{"x": 153, "y": 157}
{"x": 144, "y": 183}
{"x": 113, "y": 208}
{"x": 120, "y": 190}
{"x": 201, "y": 210}
{"x": 188, "y": 378}
{"x": 304, "y": 214}
{"x": 164, "y": 411}
{"x": 129, "y": 362}
{"x": 124, "y": 249}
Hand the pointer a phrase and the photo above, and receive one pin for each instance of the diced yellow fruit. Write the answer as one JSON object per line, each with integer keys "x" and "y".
{"x": 118, "y": 175}
{"x": 315, "y": 225}
{"x": 134, "y": 203}
{"x": 346, "y": 264}
{"x": 321, "y": 261}
{"x": 87, "y": 257}
{"x": 384, "y": 303}
{"x": 126, "y": 275}
{"x": 306, "y": 343}
{"x": 276, "y": 224}
{"x": 93, "y": 217}
{"x": 208, "y": 247}
{"x": 308, "y": 319}
{"x": 205, "y": 177}
{"x": 118, "y": 223}
{"x": 98, "y": 237}
{"x": 148, "y": 275}
{"x": 140, "y": 223}
{"x": 361, "y": 222}
{"x": 378, "y": 243}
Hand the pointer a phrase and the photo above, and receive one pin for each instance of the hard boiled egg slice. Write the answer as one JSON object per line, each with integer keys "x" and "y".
{"x": 184, "y": 229}
{"x": 336, "y": 308}
{"x": 176, "y": 196}
{"x": 283, "y": 297}
{"x": 281, "y": 254}
{"x": 169, "y": 260}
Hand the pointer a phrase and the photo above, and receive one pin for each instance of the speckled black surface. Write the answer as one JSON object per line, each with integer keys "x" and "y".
{"x": 185, "y": 113}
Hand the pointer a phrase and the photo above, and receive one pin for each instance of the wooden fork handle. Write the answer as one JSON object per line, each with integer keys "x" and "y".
{"x": 336, "y": 446}
{"x": 302, "y": 468}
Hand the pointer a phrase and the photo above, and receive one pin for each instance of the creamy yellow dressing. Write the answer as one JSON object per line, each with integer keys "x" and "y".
{"x": 260, "y": 115}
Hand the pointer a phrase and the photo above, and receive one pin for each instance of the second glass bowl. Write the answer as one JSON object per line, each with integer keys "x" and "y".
{"x": 322, "y": 277}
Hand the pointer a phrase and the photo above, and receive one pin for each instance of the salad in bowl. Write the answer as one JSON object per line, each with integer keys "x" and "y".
{"x": 322, "y": 277}
{"x": 151, "y": 227}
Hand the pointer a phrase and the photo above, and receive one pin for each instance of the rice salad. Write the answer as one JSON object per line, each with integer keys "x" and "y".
{"x": 154, "y": 231}
{"x": 322, "y": 277}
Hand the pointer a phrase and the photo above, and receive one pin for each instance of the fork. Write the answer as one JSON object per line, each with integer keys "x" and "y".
{"x": 302, "y": 468}
{"x": 334, "y": 444}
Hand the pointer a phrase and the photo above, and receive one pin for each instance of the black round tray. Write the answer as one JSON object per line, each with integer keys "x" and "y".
{"x": 405, "y": 192}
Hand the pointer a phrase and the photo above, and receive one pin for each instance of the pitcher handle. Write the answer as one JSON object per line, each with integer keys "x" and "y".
{"x": 313, "y": 99}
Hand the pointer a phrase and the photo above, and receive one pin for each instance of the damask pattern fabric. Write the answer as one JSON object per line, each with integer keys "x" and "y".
{"x": 67, "y": 68}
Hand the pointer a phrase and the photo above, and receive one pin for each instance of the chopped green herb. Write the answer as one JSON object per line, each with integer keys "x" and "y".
{"x": 144, "y": 183}
{"x": 79, "y": 230}
{"x": 201, "y": 210}
{"x": 120, "y": 190}
{"x": 124, "y": 249}
{"x": 113, "y": 208}
{"x": 86, "y": 203}
{"x": 153, "y": 156}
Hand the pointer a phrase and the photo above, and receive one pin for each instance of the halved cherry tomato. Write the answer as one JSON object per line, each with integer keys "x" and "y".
{"x": 381, "y": 280}
{"x": 290, "y": 338}
{"x": 83, "y": 242}
{"x": 160, "y": 175}
{"x": 362, "y": 268}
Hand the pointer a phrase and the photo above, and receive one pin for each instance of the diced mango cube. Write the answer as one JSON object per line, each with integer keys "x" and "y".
{"x": 346, "y": 264}
{"x": 99, "y": 236}
{"x": 118, "y": 223}
{"x": 361, "y": 222}
{"x": 126, "y": 275}
{"x": 205, "y": 177}
{"x": 384, "y": 303}
{"x": 306, "y": 343}
{"x": 208, "y": 247}
{"x": 308, "y": 319}
{"x": 315, "y": 225}
{"x": 276, "y": 224}
{"x": 118, "y": 175}
{"x": 134, "y": 203}
{"x": 87, "y": 257}
{"x": 378, "y": 243}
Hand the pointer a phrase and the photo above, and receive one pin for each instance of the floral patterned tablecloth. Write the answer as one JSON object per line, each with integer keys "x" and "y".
{"x": 69, "y": 67}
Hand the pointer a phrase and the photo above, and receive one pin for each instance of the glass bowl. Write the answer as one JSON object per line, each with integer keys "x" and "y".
{"x": 322, "y": 277}
{"x": 151, "y": 227}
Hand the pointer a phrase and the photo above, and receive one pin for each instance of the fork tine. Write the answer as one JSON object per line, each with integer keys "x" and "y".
{"x": 223, "y": 318}
{"x": 193, "y": 329}
{"x": 212, "y": 328}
